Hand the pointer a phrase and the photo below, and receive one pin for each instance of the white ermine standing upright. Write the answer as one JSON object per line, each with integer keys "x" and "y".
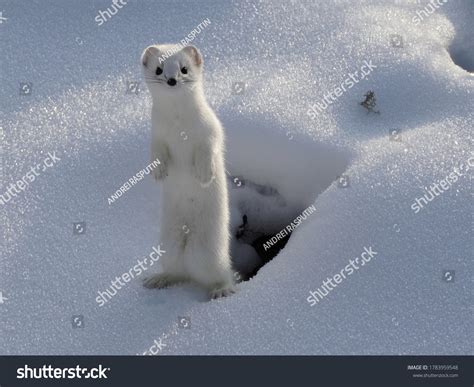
{"x": 188, "y": 140}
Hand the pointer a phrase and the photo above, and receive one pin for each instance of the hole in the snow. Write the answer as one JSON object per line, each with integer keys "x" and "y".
{"x": 462, "y": 53}
{"x": 273, "y": 181}
{"x": 254, "y": 242}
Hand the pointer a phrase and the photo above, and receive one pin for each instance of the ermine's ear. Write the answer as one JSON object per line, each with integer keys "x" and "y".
{"x": 194, "y": 53}
{"x": 149, "y": 52}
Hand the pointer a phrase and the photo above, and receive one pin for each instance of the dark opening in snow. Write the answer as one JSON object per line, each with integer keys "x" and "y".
{"x": 273, "y": 179}
{"x": 264, "y": 254}
{"x": 264, "y": 228}
{"x": 462, "y": 53}
{"x": 254, "y": 240}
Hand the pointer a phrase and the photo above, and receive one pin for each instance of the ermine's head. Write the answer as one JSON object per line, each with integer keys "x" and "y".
{"x": 170, "y": 70}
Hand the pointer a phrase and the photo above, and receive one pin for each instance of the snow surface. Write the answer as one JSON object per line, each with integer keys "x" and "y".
{"x": 289, "y": 54}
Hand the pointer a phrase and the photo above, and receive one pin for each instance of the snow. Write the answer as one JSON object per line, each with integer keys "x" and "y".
{"x": 289, "y": 54}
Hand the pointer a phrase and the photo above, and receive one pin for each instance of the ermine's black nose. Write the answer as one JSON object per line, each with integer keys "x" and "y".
{"x": 171, "y": 82}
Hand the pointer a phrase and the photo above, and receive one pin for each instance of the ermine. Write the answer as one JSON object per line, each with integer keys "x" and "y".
{"x": 188, "y": 140}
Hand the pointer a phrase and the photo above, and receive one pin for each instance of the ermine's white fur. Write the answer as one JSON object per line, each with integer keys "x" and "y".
{"x": 188, "y": 140}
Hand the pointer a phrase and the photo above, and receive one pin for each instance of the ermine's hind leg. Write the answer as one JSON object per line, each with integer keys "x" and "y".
{"x": 173, "y": 241}
{"x": 209, "y": 267}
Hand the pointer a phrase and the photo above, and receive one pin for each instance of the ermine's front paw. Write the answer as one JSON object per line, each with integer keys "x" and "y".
{"x": 204, "y": 169}
{"x": 160, "y": 171}
{"x": 159, "y": 153}
{"x": 204, "y": 173}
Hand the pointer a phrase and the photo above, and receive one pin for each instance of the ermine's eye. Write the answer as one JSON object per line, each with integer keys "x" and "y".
{"x": 184, "y": 70}
{"x": 158, "y": 71}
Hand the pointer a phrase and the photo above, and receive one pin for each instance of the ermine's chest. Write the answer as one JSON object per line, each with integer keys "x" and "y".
{"x": 180, "y": 145}
{"x": 180, "y": 140}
